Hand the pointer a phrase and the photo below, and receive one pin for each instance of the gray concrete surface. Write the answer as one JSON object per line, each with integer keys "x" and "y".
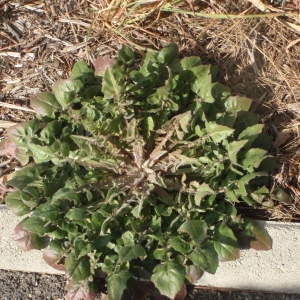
{"x": 277, "y": 270}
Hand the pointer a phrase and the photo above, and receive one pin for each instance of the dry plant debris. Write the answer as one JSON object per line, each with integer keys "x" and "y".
{"x": 255, "y": 45}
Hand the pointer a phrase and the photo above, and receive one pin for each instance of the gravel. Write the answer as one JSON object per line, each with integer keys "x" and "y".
{"x": 34, "y": 286}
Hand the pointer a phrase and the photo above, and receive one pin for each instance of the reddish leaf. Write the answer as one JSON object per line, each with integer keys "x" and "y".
{"x": 181, "y": 295}
{"x": 23, "y": 238}
{"x": 79, "y": 293}
{"x": 102, "y": 63}
{"x": 52, "y": 258}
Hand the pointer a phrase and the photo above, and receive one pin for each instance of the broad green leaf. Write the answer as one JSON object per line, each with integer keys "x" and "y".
{"x": 77, "y": 268}
{"x": 168, "y": 54}
{"x": 35, "y": 225}
{"x": 234, "y": 148}
{"x": 128, "y": 253}
{"x": 76, "y": 214}
{"x": 41, "y": 154}
{"x": 112, "y": 83}
{"x": 179, "y": 244}
{"x": 201, "y": 191}
{"x": 168, "y": 278}
{"x": 116, "y": 284}
{"x": 235, "y": 104}
{"x": 225, "y": 243}
{"x": 218, "y": 132}
{"x": 243, "y": 181}
{"x": 65, "y": 91}
{"x": 190, "y": 62}
{"x": 251, "y": 132}
{"x": 202, "y": 84}
{"x": 262, "y": 240}
{"x": 253, "y": 158}
{"x": 14, "y": 201}
{"x": 195, "y": 228}
{"x": 81, "y": 71}
{"x": 205, "y": 258}
{"x": 45, "y": 104}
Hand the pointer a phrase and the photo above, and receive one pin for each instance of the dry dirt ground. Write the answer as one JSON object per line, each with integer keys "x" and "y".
{"x": 255, "y": 45}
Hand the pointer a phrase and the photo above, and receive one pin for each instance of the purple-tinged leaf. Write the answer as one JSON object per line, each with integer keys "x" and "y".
{"x": 52, "y": 258}
{"x": 27, "y": 240}
{"x": 44, "y": 104}
{"x": 102, "y": 63}
{"x": 23, "y": 238}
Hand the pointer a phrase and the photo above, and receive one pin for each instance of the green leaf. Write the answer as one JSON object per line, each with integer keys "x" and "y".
{"x": 205, "y": 258}
{"x": 218, "y": 132}
{"x": 179, "y": 244}
{"x": 126, "y": 56}
{"x": 168, "y": 278}
{"x": 168, "y": 54}
{"x": 234, "y": 148}
{"x": 14, "y": 201}
{"x": 251, "y": 132}
{"x": 185, "y": 121}
{"x": 65, "y": 91}
{"x": 35, "y": 225}
{"x": 243, "y": 181}
{"x": 116, "y": 284}
{"x": 235, "y": 104}
{"x": 128, "y": 253}
{"x": 81, "y": 70}
{"x": 225, "y": 243}
{"x": 201, "y": 192}
{"x": 45, "y": 104}
{"x": 202, "y": 84}
{"x": 195, "y": 228}
{"x": 261, "y": 238}
{"x": 77, "y": 268}
{"x": 76, "y": 214}
{"x": 112, "y": 83}
{"x": 41, "y": 154}
{"x": 189, "y": 62}
{"x": 253, "y": 158}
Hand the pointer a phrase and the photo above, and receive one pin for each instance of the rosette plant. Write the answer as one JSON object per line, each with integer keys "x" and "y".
{"x": 133, "y": 171}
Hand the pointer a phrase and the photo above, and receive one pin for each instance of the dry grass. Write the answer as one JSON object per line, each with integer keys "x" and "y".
{"x": 257, "y": 53}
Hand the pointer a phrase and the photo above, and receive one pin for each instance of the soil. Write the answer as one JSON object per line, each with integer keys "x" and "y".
{"x": 33, "y": 286}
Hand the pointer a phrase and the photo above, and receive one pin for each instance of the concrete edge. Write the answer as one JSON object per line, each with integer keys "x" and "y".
{"x": 277, "y": 270}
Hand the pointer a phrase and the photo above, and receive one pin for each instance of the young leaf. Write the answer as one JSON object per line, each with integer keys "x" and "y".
{"x": 116, "y": 284}
{"x": 195, "y": 228}
{"x": 168, "y": 278}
